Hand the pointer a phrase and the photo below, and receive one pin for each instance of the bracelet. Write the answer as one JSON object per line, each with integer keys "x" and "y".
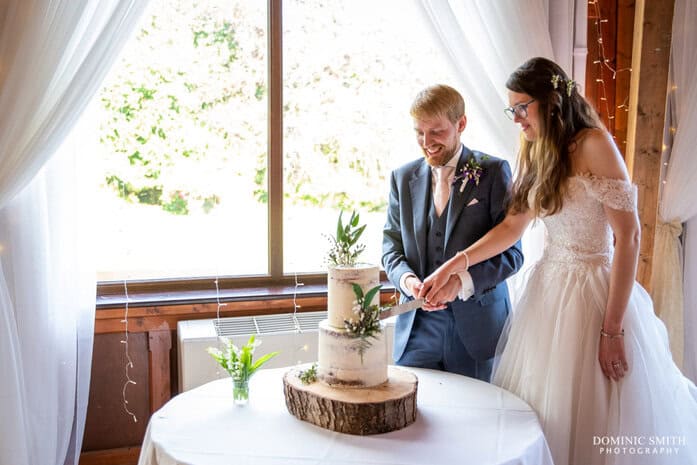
{"x": 467, "y": 259}
{"x": 611, "y": 336}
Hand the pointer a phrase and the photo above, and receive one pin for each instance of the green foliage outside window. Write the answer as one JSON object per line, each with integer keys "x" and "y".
{"x": 189, "y": 103}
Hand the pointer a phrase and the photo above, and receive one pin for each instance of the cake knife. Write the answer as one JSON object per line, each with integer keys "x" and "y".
{"x": 402, "y": 308}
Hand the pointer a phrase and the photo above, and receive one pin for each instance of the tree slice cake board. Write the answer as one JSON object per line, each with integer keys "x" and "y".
{"x": 379, "y": 409}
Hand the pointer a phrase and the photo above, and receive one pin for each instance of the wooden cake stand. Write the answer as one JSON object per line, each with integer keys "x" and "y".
{"x": 363, "y": 411}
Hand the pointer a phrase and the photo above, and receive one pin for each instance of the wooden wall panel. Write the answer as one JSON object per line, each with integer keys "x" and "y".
{"x": 607, "y": 82}
{"x": 121, "y": 456}
{"x": 623, "y": 60}
{"x": 159, "y": 347}
{"x": 602, "y": 18}
{"x": 647, "y": 102}
{"x": 108, "y": 426}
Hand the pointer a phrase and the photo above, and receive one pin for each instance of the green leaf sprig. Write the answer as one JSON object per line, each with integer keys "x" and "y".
{"x": 366, "y": 325}
{"x": 308, "y": 376}
{"x": 344, "y": 246}
{"x": 238, "y": 362}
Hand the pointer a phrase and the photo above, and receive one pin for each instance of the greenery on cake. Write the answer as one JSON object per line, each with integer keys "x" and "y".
{"x": 366, "y": 325}
{"x": 345, "y": 248}
{"x": 308, "y": 376}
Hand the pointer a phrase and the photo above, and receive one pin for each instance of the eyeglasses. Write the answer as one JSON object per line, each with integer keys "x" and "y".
{"x": 521, "y": 110}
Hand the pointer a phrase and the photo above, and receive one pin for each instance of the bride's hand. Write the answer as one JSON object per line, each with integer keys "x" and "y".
{"x": 612, "y": 358}
{"x": 434, "y": 283}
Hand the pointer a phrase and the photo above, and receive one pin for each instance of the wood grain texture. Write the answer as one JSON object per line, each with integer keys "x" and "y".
{"x": 647, "y": 101}
{"x": 381, "y": 409}
{"x": 143, "y": 319}
{"x": 159, "y": 347}
{"x": 623, "y": 61}
{"x": 120, "y": 456}
{"x": 108, "y": 425}
{"x": 153, "y": 317}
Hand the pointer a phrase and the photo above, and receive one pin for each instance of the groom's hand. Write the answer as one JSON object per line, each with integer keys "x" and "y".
{"x": 444, "y": 295}
{"x": 413, "y": 285}
{"x": 433, "y": 284}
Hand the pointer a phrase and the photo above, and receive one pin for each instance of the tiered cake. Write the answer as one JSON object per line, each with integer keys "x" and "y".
{"x": 353, "y": 390}
{"x": 344, "y": 359}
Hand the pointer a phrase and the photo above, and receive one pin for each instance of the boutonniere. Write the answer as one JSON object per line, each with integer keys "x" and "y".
{"x": 471, "y": 171}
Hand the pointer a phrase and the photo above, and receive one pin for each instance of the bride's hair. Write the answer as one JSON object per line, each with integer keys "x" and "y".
{"x": 544, "y": 164}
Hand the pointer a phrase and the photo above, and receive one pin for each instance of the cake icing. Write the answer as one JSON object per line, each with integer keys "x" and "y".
{"x": 345, "y": 359}
{"x": 341, "y": 362}
{"x": 340, "y": 295}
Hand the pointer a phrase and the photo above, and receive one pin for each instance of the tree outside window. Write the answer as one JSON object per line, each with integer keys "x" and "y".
{"x": 183, "y": 121}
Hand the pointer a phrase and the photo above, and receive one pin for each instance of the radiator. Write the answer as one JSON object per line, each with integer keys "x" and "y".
{"x": 276, "y": 332}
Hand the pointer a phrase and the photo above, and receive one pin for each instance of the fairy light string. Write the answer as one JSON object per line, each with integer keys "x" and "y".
{"x": 603, "y": 62}
{"x": 297, "y": 328}
{"x": 129, "y": 361}
{"x": 296, "y": 306}
{"x": 298, "y": 331}
{"x": 220, "y": 305}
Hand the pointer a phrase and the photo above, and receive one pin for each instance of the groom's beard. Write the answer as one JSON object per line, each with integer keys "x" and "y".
{"x": 442, "y": 157}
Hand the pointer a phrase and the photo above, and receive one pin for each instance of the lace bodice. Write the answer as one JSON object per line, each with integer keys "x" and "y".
{"x": 580, "y": 232}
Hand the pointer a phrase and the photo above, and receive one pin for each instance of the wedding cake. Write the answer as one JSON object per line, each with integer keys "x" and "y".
{"x": 347, "y": 359}
{"x": 352, "y": 389}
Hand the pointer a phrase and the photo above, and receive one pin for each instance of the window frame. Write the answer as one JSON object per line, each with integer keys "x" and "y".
{"x": 274, "y": 283}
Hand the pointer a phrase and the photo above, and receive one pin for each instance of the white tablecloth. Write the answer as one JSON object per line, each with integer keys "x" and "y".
{"x": 459, "y": 421}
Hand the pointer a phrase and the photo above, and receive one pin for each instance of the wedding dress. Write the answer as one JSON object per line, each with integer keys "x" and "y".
{"x": 549, "y": 354}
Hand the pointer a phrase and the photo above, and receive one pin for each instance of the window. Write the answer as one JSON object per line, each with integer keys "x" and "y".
{"x": 201, "y": 178}
{"x": 184, "y": 137}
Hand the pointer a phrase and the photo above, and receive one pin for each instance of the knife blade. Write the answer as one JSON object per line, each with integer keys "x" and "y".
{"x": 402, "y": 308}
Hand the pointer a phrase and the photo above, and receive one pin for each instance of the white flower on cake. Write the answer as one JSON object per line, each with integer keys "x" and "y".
{"x": 367, "y": 325}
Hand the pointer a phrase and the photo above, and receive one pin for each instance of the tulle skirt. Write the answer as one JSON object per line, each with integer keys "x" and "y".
{"x": 548, "y": 356}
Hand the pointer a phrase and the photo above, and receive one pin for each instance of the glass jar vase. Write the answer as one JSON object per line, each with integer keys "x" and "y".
{"x": 240, "y": 391}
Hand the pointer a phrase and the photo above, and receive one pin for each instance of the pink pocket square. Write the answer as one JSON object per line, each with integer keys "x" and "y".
{"x": 473, "y": 202}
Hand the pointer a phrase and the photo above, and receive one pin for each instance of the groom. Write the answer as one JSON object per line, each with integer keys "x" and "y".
{"x": 439, "y": 205}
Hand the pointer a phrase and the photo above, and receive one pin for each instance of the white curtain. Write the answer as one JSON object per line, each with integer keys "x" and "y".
{"x": 677, "y": 206}
{"x": 690, "y": 302}
{"x": 53, "y": 56}
{"x": 568, "y": 25}
{"x": 486, "y": 40}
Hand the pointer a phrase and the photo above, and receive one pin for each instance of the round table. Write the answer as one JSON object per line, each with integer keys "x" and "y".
{"x": 459, "y": 421}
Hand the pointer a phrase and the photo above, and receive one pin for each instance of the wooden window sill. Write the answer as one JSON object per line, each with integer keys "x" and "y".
{"x": 162, "y": 309}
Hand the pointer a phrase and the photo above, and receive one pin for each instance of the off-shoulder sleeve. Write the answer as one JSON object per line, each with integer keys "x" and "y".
{"x": 615, "y": 193}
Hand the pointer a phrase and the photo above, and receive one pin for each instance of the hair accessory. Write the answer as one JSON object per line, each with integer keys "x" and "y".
{"x": 570, "y": 84}
{"x": 555, "y": 80}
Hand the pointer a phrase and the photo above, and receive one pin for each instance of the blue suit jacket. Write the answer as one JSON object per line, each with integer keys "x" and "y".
{"x": 480, "y": 319}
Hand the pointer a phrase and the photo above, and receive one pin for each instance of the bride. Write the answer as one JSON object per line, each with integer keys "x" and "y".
{"x": 583, "y": 346}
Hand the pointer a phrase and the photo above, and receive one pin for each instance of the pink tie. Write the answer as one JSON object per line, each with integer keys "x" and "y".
{"x": 442, "y": 192}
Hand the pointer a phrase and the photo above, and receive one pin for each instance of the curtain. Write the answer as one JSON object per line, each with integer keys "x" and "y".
{"x": 485, "y": 46}
{"x": 568, "y": 32}
{"x": 674, "y": 270}
{"x": 690, "y": 302}
{"x": 53, "y": 57}
{"x": 486, "y": 41}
